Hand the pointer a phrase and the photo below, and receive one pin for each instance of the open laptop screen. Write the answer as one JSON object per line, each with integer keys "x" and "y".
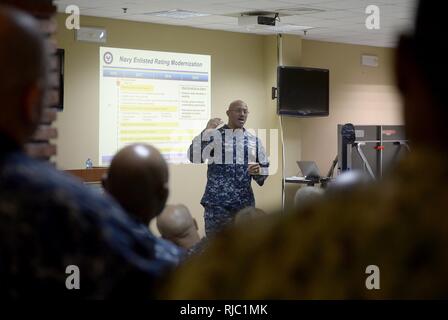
{"x": 309, "y": 169}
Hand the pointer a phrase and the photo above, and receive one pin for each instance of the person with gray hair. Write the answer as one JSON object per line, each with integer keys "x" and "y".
{"x": 307, "y": 195}
{"x": 176, "y": 224}
{"x": 248, "y": 214}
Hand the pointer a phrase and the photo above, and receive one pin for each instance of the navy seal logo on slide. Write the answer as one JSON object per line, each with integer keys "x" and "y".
{"x": 108, "y": 57}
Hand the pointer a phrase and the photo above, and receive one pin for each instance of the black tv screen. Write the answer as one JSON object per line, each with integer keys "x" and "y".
{"x": 303, "y": 92}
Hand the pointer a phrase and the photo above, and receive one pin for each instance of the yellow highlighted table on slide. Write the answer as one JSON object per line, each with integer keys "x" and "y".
{"x": 172, "y": 149}
{"x": 149, "y": 124}
{"x": 155, "y": 138}
{"x": 160, "y": 131}
{"x": 138, "y": 87}
{"x": 147, "y": 108}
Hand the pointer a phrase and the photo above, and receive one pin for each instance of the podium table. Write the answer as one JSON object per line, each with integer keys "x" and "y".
{"x": 90, "y": 176}
{"x": 300, "y": 180}
{"x": 308, "y": 182}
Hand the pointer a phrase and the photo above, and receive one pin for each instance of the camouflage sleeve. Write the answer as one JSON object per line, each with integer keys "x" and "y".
{"x": 263, "y": 160}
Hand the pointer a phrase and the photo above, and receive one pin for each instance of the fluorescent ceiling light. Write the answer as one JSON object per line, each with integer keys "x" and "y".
{"x": 289, "y": 28}
{"x": 298, "y": 10}
{"x": 91, "y": 34}
{"x": 280, "y": 28}
{"x": 177, "y": 14}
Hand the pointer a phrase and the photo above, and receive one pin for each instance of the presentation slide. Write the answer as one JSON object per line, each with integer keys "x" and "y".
{"x": 160, "y": 98}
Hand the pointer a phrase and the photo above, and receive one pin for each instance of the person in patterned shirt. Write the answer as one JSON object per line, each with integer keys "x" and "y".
{"x": 138, "y": 179}
{"x": 235, "y": 157}
{"x": 398, "y": 226}
{"x": 53, "y": 229}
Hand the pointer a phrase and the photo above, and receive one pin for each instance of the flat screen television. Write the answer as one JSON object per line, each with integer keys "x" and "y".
{"x": 303, "y": 92}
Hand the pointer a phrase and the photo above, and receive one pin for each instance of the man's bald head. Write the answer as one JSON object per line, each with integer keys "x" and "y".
{"x": 237, "y": 113}
{"x": 237, "y": 103}
{"x": 176, "y": 224}
{"x": 23, "y": 73}
{"x": 138, "y": 179}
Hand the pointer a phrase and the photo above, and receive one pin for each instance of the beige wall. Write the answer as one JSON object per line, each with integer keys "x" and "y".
{"x": 358, "y": 94}
{"x": 243, "y": 66}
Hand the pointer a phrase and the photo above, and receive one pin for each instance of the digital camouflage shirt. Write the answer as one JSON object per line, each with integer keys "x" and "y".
{"x": 228, "y": 153}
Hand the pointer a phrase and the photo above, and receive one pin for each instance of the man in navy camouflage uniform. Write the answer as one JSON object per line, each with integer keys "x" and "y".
{"x": 235, "y": 157}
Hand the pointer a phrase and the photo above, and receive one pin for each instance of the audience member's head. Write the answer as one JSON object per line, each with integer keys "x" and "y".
{"x": 23, "y": 74}
{"x": 138, "y": 179}
{"x": 348, "y": 181}
{"x": 398, "y": 226}
{"x": 48, "y": 221}
{"x": 306, "y": 195}
{"x": 176, "y": 224}
{"x": 421, "y": 71}
{"x": 247, "y": 214}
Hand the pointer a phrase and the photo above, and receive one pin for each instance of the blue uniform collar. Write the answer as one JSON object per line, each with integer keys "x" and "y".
{"x": 227, "y": 127}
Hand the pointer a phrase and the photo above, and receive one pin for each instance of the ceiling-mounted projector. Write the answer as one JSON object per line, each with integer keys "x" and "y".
{"x": 256, "y": 20}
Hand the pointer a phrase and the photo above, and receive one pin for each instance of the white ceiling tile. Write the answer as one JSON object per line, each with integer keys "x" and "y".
{"x": 300, "y": 19}
{"x": 333, "y": 14}
{"x": 329, "y": 23}
{"x": 346, "y": 4}
{"x": 341, "y": 20}
{"x": 260, "y": 4}
{"x": 214, "y": 19}
{"x": 217, "y": 9}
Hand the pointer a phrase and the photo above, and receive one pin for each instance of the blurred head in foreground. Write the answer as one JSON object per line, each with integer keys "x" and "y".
{"x": 385, "y": 240}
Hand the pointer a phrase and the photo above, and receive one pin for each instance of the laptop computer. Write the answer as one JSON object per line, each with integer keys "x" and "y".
{"x": 309, "y": 170}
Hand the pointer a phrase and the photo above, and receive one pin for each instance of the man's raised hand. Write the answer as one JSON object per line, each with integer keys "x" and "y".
{"x": 213, "y": 123}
